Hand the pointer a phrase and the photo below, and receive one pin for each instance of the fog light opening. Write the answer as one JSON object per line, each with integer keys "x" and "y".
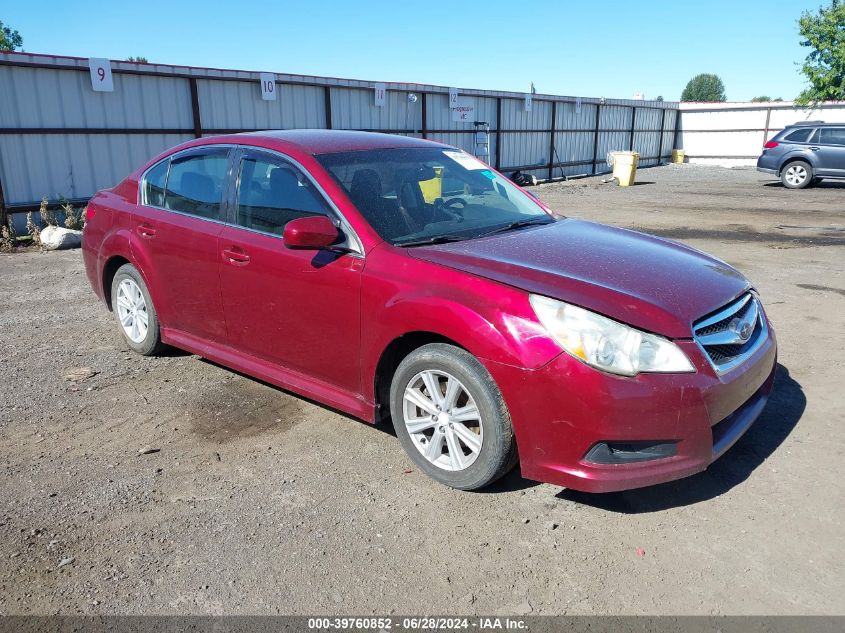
{"x": 629, "y": 452}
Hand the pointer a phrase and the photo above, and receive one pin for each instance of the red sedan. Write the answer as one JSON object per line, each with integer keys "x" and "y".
{"x": 397, "y": 278}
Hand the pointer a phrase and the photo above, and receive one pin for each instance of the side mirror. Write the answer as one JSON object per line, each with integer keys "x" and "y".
{"x": 316, "y": 232}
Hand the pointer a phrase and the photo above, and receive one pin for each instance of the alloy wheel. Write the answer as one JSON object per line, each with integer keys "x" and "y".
{"x": 132, "y": 310}
{"x": 796, "y": 174}
{"x": 443, "y": 420}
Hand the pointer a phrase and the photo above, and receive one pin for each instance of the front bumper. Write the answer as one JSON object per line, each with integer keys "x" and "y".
{"x": 564, "y": 409}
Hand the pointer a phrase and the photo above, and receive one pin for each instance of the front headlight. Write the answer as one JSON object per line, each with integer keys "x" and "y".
{"x": 607, "y": 344}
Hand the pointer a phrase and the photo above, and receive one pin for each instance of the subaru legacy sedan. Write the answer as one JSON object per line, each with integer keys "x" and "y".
{"x": 400, "y": 279}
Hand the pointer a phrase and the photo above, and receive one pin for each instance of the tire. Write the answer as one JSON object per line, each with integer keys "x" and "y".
{"x": 797, "y": 174}
{"x": 465, "y": 450}
{"x": 131, "y": 305}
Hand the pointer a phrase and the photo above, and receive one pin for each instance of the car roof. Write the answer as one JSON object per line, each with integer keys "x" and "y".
{"x": 814, "y": 124}
{"x": 331, "y": 141}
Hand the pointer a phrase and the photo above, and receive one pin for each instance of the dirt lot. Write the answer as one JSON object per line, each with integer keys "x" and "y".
{"x": 261, "y": 502}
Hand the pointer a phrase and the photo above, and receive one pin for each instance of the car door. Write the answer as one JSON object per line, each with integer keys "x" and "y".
{"x": 175, "y": 230}
{"x": 830, "y": 151}
{"x": 299, "y": 309}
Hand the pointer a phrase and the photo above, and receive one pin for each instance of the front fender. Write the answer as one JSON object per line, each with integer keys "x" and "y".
{"x": 492, "y": 321}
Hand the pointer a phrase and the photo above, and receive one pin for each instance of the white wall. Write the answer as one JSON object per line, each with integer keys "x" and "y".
{"x": 733, "y": 134}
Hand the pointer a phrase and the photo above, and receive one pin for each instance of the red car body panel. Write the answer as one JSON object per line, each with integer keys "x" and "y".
{"x": 641, "y": 280}
{"x": 318, "y": 323}
{"x": 186, "y": 251}
{"x": 284, "y": 307}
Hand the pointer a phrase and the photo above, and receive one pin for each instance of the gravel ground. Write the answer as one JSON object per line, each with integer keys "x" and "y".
{"x": 250, "y": 500}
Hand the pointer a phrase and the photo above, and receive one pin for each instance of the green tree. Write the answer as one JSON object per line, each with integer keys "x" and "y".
{"x": 760, "y": 99}
{"x": 704, "y": 87}
{"x": 139, "y": 60}
{"x": 824, "y": 68}
{"x": 10, "y": 39}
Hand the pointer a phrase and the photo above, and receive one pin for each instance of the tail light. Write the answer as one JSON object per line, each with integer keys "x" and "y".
{"x": 89, "y": 212}
{"x": 770, "y": 145}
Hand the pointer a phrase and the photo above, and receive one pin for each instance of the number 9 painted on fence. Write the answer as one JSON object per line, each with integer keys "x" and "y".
{"x": 101, "y": 78}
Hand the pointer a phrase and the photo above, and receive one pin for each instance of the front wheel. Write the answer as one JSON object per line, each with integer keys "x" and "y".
{"x": 797, "y": 175}
{"x": 450, "y": 417}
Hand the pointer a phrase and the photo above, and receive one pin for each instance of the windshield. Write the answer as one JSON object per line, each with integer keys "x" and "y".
{"x": 424, "y": 195}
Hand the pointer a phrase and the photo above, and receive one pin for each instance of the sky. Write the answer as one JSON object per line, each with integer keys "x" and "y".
{"x": 609, "y": 48}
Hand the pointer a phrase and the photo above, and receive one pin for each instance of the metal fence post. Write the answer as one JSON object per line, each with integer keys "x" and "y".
{"x": 677, "y": 129}
{"x": 633, "y": 127}
{"x": 552, "y": 140}
{"x": 660, "y": 142}
{"x": 195, "y": 107}
{"x": 498, "y": 133}
{"x": 424, "y": 114}
{"x": 596, "y": 138}
{"x": 768, "y": 120}
{"x": 3, "y": 214}
{"x": 327, "y": 100}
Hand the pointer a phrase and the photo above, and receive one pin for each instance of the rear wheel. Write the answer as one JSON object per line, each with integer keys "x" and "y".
{"x": 797, "y": 175}
{"x": 134, "y": 310}
{"x": 451, "y": 418}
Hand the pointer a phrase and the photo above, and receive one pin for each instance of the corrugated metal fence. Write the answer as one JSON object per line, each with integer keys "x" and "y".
{"x": 59, "y": 138}
{"x": 733, "y": 133}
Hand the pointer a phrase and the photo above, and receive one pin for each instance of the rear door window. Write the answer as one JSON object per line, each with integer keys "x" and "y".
{"x": 799, "y": 136}
{"x": 272, "y": 192}
{"x": 832, "y": 136}
{"x": 195, "y": 183}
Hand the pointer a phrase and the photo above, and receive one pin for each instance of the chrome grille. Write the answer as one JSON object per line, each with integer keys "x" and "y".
{"x": 733, "y": 333}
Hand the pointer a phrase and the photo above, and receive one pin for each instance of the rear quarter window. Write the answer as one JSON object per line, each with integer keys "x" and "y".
{"x": 153, "y": 186}
{"x": 799, "y": 136}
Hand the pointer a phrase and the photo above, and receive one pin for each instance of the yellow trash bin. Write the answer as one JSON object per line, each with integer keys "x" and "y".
{"x": 625, "y": 167}
{"x": 433, "y": 189}
{"x": 678, "y": 156}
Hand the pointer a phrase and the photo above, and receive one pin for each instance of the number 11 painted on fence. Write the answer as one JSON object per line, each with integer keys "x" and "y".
{"x": 381, "y": 95}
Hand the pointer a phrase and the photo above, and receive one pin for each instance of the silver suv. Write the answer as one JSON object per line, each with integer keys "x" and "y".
{"x": 802, "y": 154}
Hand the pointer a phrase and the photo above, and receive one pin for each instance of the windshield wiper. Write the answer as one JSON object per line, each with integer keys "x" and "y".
{"x": 516, "y": 225}
{"x": 437, "y": 239}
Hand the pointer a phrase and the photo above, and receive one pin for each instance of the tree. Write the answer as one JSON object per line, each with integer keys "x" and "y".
{"x": 824, "y": 67}
{"x": 10, "y": 39}
{"x": 764, "y": 99}
{"x": 704, "y": 87}
{"x": 138, "y": 60}
{"x": 659, "y": 98}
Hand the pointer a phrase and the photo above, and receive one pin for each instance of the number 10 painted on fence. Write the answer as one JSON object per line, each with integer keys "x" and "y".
{"x": 268, "y": 86}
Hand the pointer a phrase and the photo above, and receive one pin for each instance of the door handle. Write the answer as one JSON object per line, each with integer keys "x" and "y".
{"x": 145, "y": 231}
{"x": 236, "y": 256}
{"x": 814, "y": 149}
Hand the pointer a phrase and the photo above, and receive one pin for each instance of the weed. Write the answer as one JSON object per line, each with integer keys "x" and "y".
{"x": 47, "y": 217}
{"x": 33, "y": 229}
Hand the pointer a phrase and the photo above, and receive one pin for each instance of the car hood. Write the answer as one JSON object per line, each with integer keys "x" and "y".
{"x": 653, "y": 284}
